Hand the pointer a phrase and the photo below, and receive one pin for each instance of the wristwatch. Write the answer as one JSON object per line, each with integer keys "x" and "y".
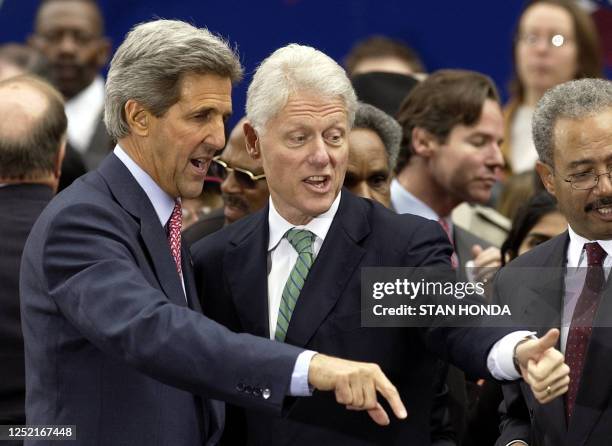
{"x": 514, "y": 358}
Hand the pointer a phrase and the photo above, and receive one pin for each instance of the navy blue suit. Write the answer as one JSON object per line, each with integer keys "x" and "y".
{"x": 111, "y": 342}
{"x": 231, "y": 273}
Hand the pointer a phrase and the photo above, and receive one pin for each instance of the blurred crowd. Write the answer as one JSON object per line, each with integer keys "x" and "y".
{"x": 440, "y": 145}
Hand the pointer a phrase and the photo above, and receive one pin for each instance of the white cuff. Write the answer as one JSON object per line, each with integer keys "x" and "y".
{"x": 500, "y": 360}
{"x": 299, "y": 378}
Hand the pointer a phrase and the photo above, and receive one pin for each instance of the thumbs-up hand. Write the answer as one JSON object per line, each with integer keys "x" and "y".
{"x": 543, "y": 366}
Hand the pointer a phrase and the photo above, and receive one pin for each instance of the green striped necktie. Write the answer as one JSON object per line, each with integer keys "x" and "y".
{"x": 301, "y": 240}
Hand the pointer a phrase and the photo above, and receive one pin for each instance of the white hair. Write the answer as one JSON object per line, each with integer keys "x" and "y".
{"x": 291, "y": 69}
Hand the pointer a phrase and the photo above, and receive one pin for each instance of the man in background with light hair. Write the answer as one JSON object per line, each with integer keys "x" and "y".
{"x": 572, "y": 132}
{"x": 291, "y": 271}
{"x": 115, "y": 341}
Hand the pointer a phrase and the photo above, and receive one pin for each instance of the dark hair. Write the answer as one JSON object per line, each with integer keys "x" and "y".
{"x": 35, "y": 152}
{"x": 444, "y": 100}
{"x": 528, "y": 215}
{"x": 590, "y": 62}
{"x": 381, "y": 46}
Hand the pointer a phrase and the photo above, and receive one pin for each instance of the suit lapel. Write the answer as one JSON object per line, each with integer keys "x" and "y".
{"x": 334, "y": 266}
{"x": 542, "y": 309}
{"x": 247, "y": 275}
{"x": 190, "y": 287}
{"x": 133, "y": 199}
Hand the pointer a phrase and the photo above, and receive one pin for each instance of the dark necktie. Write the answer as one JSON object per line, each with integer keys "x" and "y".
{"x": 174, "y": 235}
{"x": 447, "y": 229}
{"x": 582, "y": 320}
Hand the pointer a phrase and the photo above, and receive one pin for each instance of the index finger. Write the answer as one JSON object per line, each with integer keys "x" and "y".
{"x": 388, "y": 390}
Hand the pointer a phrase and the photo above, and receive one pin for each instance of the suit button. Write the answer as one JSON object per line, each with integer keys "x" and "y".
{"x": 240, "y": 387}
{"x": 257, "y": 391}
{"x": 266, "y": 394}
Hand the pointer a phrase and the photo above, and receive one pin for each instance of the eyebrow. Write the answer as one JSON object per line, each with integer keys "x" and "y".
{"x": 584, "y": 161}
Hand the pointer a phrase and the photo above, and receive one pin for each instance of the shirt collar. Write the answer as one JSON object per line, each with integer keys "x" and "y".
{"x": 576, "y": 247}
{"x": 161, "y": 201}
{"x": 406, "y": 203}
{"x": 319, "y": 225}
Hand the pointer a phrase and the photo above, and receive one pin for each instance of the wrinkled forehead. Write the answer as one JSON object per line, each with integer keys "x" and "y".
{"x": 310, "y": 108}
{"x": 584, "y": 141}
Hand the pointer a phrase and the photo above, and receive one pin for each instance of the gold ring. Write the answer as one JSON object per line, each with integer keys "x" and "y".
{"x": 548, "y": 391}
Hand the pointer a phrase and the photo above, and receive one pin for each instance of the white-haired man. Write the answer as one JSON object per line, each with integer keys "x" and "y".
{"x": 291, "y": 271}
{"x": 115, "y": 342}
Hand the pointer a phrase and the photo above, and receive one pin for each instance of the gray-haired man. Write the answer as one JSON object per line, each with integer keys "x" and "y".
{"x": 115, "y": 342}
{"x": 572, "y": 132}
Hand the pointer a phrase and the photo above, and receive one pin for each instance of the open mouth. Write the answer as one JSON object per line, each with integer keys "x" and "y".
{"x": 318, "y": 183}
{"x": 201, "y": 165}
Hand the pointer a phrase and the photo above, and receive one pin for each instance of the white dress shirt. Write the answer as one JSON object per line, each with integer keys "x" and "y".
{"x": 161, "y": 201}
{"x": 83, "y": 113}
{"x": 281, "y": 258}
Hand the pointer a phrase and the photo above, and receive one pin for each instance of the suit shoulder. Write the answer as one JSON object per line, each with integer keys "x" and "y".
{"x": 217, "y": 242}
{"x": 541, "y": 254}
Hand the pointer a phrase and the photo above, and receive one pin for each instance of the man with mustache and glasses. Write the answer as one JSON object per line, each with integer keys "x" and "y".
{"x": 567, "y": 284}
{"x": 115, "y": 341}
{"x": 244, "y": 188}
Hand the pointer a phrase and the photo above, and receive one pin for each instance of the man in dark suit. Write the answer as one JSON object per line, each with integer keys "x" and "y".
{"x": 565, "y": 284}
{"x": 114, "y": 339}
{"x": 32, "y": 143}
{"x": 70, "y": 34}
{"x": 292, "y": 271}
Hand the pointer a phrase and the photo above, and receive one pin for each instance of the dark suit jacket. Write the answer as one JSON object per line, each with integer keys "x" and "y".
{"x": 232, "y": 277}
{"x": 538, "y": 298}
{"x": 20, "y": 206}
{"x": 111, "y": 344}
{"x": 76, "y": 164}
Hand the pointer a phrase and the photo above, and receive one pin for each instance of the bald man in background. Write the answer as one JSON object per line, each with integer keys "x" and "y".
{"x": 32, "y": 143}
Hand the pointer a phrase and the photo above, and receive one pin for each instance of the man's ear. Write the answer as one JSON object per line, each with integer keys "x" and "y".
{"x": 59, "y": 159}
{"x": 252, "y": 141}
{"x": 137, "y": 117}
{"x": 546, "y": 175}
{"x": 424, "y": 143}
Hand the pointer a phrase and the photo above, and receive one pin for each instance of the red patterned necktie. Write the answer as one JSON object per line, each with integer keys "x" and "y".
{"x": 447, "y": 229}
{"x": 582, "y": 320}
{"x": 174, "y": 235}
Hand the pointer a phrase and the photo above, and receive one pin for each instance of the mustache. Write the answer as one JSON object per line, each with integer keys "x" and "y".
{"x": 235, "y": 201}
{"x": 601, "y": 202}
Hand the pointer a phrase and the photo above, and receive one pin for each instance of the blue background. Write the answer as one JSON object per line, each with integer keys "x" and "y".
{"x": 474, "y": 34}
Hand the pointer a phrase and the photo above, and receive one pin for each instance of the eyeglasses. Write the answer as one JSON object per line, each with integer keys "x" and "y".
{"x": 555, "y": 41}
{"x": 244, "y": 177}
{"x": 587, "y": 180}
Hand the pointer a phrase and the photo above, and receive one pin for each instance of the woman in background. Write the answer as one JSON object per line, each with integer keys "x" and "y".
{"x": 555, "y": 41}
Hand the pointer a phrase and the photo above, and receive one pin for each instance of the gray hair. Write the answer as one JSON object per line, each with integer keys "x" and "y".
{"x": 150, "y": 63}
{"x": 291, "y": 69}
{"x": 387, "y": 128}
{"x": 572, "y": 100}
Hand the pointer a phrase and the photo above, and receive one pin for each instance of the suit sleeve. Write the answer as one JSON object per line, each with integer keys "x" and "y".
{"x": 515, "y": 423}
{"x": 92, "y": 274}
{"x": 465, "y": 347}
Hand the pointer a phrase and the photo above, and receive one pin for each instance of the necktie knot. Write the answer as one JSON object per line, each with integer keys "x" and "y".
{"x": 595, "y": 254}
{"x": 301, "y": 240}
{"x": 174, "y": 234}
